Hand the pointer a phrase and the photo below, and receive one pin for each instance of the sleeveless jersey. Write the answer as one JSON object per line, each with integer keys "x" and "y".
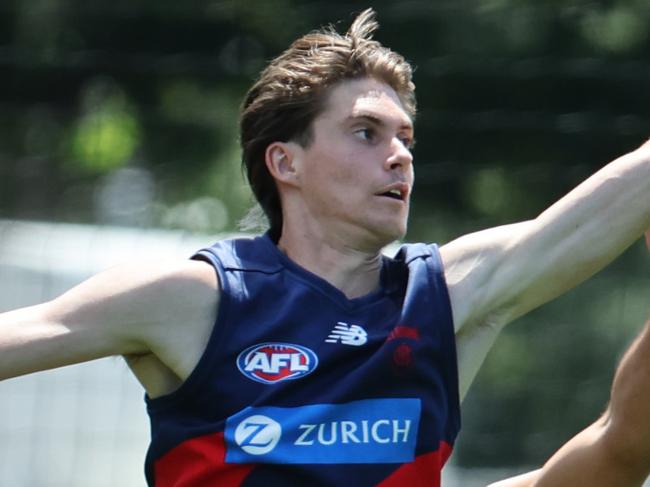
{"x": 300, "y": 385}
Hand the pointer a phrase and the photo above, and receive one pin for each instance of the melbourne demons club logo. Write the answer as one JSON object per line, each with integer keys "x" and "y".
{"x": 269, "y": 363}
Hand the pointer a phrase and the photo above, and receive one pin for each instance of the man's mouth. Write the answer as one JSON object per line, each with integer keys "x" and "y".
{"x": 396, "y": 191}
{"x": 395, "y": 194}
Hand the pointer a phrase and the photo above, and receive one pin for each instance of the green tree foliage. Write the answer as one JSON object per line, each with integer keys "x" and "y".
{"x": 126, "y": 112}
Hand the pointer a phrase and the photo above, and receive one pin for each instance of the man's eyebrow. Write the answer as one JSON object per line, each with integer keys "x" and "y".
{"x": 377, "y": 121}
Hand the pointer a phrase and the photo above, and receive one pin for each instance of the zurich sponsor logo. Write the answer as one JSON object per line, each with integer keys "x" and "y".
{"x": 258, "y": 434}
{"x": 274, "y": 362}
{"x": 366, "y": 431}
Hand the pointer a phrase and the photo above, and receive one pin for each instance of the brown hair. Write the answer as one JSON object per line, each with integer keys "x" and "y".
{"x": 292, "y": 90}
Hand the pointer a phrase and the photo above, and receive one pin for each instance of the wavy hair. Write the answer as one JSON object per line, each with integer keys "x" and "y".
{"x": 292, "y": 91}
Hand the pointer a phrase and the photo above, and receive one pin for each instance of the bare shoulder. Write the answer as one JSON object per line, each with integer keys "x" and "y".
{"x": 178, "y": 301}
{"x": 145, "y": 292}
{"x": 159, "y": 276}
{"x": 167, "y": 286}
{"x": 132, "y": 309}
{"x": 177, "y": 296}
{"x": 167, "y": 307}
{"x": 476, "y": 271}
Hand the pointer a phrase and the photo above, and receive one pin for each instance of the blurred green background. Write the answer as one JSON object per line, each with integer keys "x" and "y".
{"x": 124, "y": 113}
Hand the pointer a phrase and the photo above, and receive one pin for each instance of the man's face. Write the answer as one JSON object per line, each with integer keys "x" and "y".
{"x": 356, "y": 174}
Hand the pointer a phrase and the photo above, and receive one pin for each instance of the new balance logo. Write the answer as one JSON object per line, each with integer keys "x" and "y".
{"x": 348, "y": 335}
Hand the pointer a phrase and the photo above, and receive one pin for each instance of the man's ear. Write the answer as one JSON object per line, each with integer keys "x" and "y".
{"x": 281, "y": 162}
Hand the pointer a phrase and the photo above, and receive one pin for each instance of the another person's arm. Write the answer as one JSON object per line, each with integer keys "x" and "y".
{"x": 614, "y": 451}
{"x": 497, "y": 275}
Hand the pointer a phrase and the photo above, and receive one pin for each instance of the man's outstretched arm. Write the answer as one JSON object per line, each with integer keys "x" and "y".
{"x": 497, "y": 275}
{"x": 129, "y": 310}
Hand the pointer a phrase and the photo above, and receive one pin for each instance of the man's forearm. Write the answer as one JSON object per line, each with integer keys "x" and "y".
{"x": 606, "y": 213}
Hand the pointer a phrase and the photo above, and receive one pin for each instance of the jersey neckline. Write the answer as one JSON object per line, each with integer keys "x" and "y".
{"x": 328, "y": 289}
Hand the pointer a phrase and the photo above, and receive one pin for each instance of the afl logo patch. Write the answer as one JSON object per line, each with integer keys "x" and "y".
{"x": 269, "y": 363}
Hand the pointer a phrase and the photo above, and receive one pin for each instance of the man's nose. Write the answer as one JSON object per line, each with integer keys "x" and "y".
{"x": 400, "y": 155}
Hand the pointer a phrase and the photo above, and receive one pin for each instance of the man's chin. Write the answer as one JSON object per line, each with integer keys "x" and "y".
{"x": 387, "y": 234}
{"x": 372, "y": 236}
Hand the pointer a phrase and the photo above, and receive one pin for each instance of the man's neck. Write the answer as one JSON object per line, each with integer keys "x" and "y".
{"x": 353, "y": 271}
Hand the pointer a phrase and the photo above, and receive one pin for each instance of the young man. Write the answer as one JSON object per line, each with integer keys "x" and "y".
{"x": 307, "y": 357}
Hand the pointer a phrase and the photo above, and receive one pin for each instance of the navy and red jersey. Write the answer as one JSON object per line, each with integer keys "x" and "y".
{"x": 300, "y": 385}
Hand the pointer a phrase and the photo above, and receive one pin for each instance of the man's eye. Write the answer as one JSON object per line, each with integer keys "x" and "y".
{"x": 408, "y": 142}
{"x": 366, "y": 134}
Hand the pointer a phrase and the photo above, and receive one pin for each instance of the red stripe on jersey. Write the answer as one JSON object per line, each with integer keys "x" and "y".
{"x": 199, "y": 462}
{"x": 423, "y": 472}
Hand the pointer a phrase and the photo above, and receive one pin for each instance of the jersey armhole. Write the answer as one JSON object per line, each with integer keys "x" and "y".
{"x": 201, "y": 370}
{"x": 437, "y": 275}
